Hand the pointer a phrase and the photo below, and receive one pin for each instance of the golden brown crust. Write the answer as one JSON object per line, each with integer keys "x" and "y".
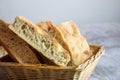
{"x": 46, "y": 26}
{"x": 31, "y": 24}
{"x": 56, "y": 53}
{"x": 3, "y": 23}
{"x": 77, "y": 44}
{"x": 17, "y": 48}
{"x": 69, "y": 36}
{"x": 52, "y": 30}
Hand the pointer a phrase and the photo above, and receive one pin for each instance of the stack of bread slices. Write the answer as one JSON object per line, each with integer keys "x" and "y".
{"x": 43, "y": 43}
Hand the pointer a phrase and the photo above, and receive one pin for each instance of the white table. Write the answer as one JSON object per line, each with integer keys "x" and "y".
{"x": 108, "y": 35}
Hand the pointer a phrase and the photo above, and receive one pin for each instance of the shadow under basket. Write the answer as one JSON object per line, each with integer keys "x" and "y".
{"x": 16, "y": 71}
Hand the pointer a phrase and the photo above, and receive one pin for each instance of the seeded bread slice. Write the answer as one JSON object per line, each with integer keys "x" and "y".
{"x": 16, "y": 47}
{"x": 41, "y": 41}
{"x": 69, "y": 36}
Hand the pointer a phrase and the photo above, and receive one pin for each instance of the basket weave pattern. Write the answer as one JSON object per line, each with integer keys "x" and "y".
{"x": 16, "y": 71}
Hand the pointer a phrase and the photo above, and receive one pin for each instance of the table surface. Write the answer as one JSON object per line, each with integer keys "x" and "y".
{"x": 108, "y": 35}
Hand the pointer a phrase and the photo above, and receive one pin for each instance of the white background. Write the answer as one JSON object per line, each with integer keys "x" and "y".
{"x": 80, "y": 11}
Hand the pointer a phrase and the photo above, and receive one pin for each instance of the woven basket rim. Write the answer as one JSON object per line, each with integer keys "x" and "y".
{"x": 80, "y": 67}
{"x": 18, "y": 71}
{"x": 92, "y": 58}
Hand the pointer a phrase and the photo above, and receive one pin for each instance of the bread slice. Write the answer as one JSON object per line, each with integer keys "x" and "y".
{"x": 69, "y": 36}
{"x": 16, "y": 47}
{"x": 76, "y": 42}
{"x": 52, "y": 30}
{"x": 3, "y": 23}
{"x": 3, "y": 53}
{"x": 41, "y": 41}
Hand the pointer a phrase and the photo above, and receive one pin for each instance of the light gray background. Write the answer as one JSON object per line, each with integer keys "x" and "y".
{"x": 80, "y": 11}
{"x": 98, "y": 20}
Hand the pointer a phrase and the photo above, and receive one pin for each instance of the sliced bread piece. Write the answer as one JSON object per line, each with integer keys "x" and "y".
{"x": 41, "y": 41}
{"x": 17, "y": 48}
{"x": 3, "y": 23}
{"x": 52, "y": 30}
{"x": 76, "y": 42}
{"x": 69, "y": 36}
{"x": 3, "y": 53}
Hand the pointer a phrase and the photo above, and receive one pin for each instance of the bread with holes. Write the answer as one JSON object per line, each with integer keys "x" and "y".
{"x": 17, "y": 48}
{"x": 45, "y": 44}
{"x": 69, "y": 36}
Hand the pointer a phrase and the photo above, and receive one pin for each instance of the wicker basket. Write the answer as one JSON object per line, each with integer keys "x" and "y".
{"x": 16, "y": 71}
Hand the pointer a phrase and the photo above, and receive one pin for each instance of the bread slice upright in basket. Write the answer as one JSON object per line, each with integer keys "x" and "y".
{"x": 69, "y": 36}
{"x": 52, "y": 30}
{"x": 46, "y": 45}
{"x": 17, "y": 48}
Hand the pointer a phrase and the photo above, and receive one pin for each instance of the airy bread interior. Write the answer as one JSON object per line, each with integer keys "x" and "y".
{"x": 51, "y": 29}
{"x": 41, "y": 41}
{"x": 69, "y": 36}
{"x": 76, "y": 42}
{"x": 17, "y": 48}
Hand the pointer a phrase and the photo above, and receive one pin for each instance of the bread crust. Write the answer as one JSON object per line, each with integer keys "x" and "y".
{"x": 16, "y": 47}
{"x": 69, "y": 36}
{"x": 58, "y": 56}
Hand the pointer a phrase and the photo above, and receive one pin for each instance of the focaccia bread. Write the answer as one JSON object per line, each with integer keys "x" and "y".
{"x": 17, "y": 49}
{"x": 69, "y": 36}
{"x": 41, "y": 41}
{"x": 51, "y": 29}
{"x": 77, "y": 44}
